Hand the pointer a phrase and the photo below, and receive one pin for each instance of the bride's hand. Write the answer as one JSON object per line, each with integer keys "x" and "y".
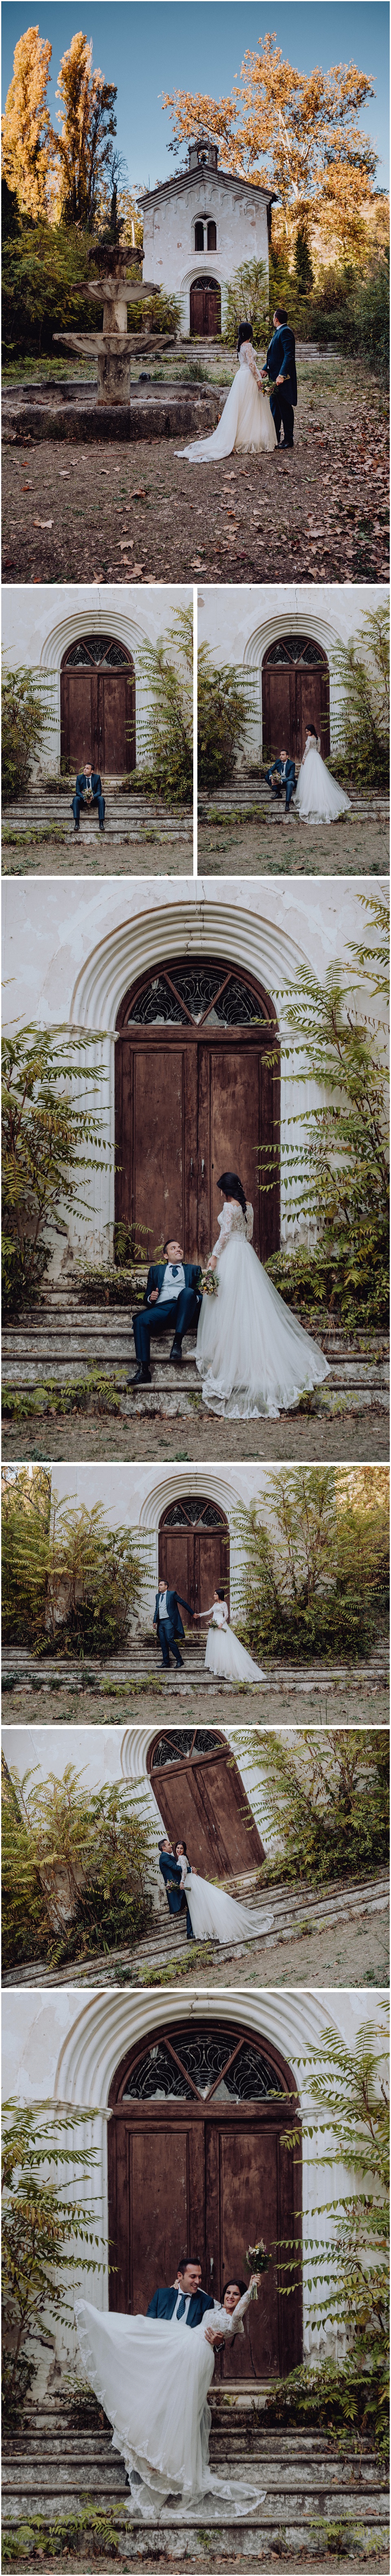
{"x": 212, "y": 1264}
{"x": 254, "y": 2283}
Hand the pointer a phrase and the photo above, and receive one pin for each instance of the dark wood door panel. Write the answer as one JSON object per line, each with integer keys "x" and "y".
{"x": 158, "y": 1144}
{"x": 160, "y": 2210}
{"x": 248, "y": 2207}
{"x": 235, "y": 1124}
{"x": 186, "y": 1111}
{"x": 176, "y": 1551}
{"x": 203, "y": 1803}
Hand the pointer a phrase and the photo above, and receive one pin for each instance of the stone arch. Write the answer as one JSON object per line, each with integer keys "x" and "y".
{"x": 69, "y": 629}
{"x": 320, "y": 628}
{"x": 98, "y": 704}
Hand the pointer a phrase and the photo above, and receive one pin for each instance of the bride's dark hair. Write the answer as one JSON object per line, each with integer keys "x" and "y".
{"x": 245, "y": 332}
{"x": 312, "y": 729}
{"x": 220, "y": 1595}
{"x": 235, "y": 2285}
{"x": 229, "y": 1181}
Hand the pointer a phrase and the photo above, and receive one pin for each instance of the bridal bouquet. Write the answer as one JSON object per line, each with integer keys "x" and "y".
{"x": 209, "y": 1283}
{"x": 257, "y": 2260}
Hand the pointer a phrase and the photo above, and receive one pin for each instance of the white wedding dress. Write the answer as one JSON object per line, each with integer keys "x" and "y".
{"x": 246, "y": 420}
{"x": 152, "y": 2377}
{"x": 214, "y": 1915}
{"x": 318, "y": 799}
{"x": 252, "y": 1356}
{"x": 224, "y": 1654}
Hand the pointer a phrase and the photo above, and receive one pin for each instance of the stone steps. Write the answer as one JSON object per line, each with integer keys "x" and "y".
{"x": 287, "y": 1913}
{"x": 66, "y": 1340}
{"x": 55, "y": 2463}
{"x": 126, "y": 818}
{"x": 245, "y": 791}
{"x": 142, "y": 1660}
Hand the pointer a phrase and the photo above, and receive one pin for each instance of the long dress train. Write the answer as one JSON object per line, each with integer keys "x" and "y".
{"x": 318, "y": 798}
{"x": 252, "y": 1356}
{"x": 224, "y": 1654}
{"x": 214, "y": 1915}
{"x": 152, "y": 2377}
{"x": 246, "y": 420}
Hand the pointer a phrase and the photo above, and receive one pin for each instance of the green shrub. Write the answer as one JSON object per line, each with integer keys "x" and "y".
{"x": 42, "y": 265}
{"x": 45, "y": 2227}
{"x": 328, "y": 1806}
{"x": 337, "y": 1163}
{"x": 358, "y": 323}
{"x": 247, "y": 301}
{"x": 166, "y": 769}
{"x": 51, "y": 1137}
{"x": 27, "y": 713}
{"x": 315, "y": 1571}
{"x": 226, "y": 705}
{"x": 347, "y": 2268}
{"x": 362, "y": 671}
{"x": 94, "y": 1847}
{"x": 70, "y": 1583}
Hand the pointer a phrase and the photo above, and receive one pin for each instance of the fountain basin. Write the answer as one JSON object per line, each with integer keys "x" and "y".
{"x": 72, "y": 412}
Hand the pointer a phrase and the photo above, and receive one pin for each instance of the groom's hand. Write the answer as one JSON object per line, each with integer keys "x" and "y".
{"x": 279, "y": 380}
{"x": 152, "y": 1300}
{"x": 211, "y": 2336}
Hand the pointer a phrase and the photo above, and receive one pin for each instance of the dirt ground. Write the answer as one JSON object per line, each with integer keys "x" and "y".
{"x": 250, "y": 849}
{"x": 28, "y": 1707}
{"x": 297, "y": 1437}
{"x": 268, "y": 2560}
{"x": 322, "y": 509}
{"x": 145, "y": 858}
{"x": 361, "y": 1958}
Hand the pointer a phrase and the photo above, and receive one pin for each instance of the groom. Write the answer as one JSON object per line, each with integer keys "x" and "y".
{"x": 171, "y": 1871}
{"x": 167, "y": 1620}
{"x": 173, "y": 1297}
{"x": 281, "y": 365}
{"x": 186, "y": 2301}
{"x": 282, "y": 774}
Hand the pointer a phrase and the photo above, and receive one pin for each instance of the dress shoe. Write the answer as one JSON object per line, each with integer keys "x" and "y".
{"x": 179, "y": 1665}
{"x": 76, "y": 827}
{"x": 143, "y": 1375}
{"x": 101, "y": 827}
{"x": 176, "y": 1354}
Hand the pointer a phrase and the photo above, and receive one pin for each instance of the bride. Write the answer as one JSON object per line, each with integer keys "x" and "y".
{"x": 317, "y": 799}
{"x": 246, "y": 420}
{"x": 251, "y": 1354}
{"x": 215, "y": 1915}
{"x": 223, "y": 1653}
{"x": 152, "y": 2377}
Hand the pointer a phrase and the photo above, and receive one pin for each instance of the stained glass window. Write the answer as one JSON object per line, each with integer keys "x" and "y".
{"x": 179, "y": 994}
{"x": 184, "y": 1741}
{"x": 206, "y": 2062}
{"x": 295, "y": 648}
{"x": 95, "y": 650}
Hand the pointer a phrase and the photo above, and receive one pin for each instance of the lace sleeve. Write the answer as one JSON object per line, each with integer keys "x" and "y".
{"x": 247, "y": 359}
{"x": 225, "y": 1222}
{"x": 249, "y": 1221}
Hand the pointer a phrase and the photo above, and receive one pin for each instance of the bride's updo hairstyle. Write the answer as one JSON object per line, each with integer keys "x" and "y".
{"x": 232, "y": 1186}
{"x": 221, "y": 1596}
{"x": 312, "y": 729}
{"x": 245, "y": 332}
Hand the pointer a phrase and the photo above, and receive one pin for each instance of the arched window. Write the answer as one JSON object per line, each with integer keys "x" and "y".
{"x": 198, "y": 237}
{"x": 212, "y": 237}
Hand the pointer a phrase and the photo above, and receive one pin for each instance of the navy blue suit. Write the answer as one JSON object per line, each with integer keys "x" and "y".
{"x": 164, "y": 2302}
{"x": 97, "y": 795}
{"x": 281, "y": 361}
{"x": 169, "y": 1629}
{"x": 180, "y": 1312}
{"x": 288, "y": 781}
{"x": 171, "y": 1872}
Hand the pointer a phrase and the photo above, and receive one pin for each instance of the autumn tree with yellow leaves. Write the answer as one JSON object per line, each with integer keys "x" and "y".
{"x": 87, "y": 126}
{"x": 27, "y": 132}
{"x": 296, "y": 133}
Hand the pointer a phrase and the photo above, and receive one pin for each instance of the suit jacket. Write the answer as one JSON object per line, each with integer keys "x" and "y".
{"x": 171, "y": 1871}
{"x": 280, "y": 359}
{"x": 164, "y": 2302}
{"x": 290, "y": 767}
{"x": 173, "y": 1612}
{"x": 96, "y": 783}
{"x": 157, "y": 1271}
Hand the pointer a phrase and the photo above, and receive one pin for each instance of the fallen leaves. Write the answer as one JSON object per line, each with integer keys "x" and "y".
{"x": 42, "y": 523}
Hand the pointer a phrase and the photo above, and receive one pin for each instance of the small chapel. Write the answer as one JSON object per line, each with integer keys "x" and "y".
{"x": 199, "y": 229}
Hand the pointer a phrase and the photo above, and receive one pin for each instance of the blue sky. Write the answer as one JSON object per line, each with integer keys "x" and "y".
{"x": 147, "y": 46}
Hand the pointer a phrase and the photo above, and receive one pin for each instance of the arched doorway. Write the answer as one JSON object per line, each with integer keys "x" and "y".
{"x": 202, "y": 1800}
{"x": 194, "y": 1549}
{"x": 295, "y": 693}
{"x": 197, "y": 1092}
{"x": 98, "y": 705}
{"x": 205, "y": 303}
{"x": 197, "y": 2161}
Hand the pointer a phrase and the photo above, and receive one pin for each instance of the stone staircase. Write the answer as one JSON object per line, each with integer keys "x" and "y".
{"x": 128, "y": 816}
{"x": 142, "y": 1662}
{"x": 62, "y": 1339}
{"x": 61, "y": 2462}
{"x": 249, "y": 792}
{"x": 286, "y": 1914}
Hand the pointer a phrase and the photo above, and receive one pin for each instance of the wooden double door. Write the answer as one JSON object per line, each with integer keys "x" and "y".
{"x": 208, "y": 2175}
{"x": 98, "y": 706}
{"x": 194, "y": 1551}
{"x": 202, "y": 1801}
{"x": 197, "y": 1093}
{"x": 205, "y": 308}
{"x": 295, "y": 693}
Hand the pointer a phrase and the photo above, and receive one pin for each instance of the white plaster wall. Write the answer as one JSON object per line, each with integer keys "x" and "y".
{"x": 138, "y": 1496}
{"x": 104, "y": 1755}
{"x": 37, "y": 631}
{"x": 56, "y": 2046}
{"x": 238, "y": 626}
{"x": 170, "y": 259}
{"x": 71, "y": 949}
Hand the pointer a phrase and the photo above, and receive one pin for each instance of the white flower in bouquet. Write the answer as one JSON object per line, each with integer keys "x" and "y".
{"x": 257, "y": 2260}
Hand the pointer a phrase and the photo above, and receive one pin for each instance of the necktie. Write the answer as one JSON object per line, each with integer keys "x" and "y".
{"x": 181, "y": 2307}
{"x": 174, "y": 1270}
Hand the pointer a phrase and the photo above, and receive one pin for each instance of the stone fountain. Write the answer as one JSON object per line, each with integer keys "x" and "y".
{"x": 113, "y": 346}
